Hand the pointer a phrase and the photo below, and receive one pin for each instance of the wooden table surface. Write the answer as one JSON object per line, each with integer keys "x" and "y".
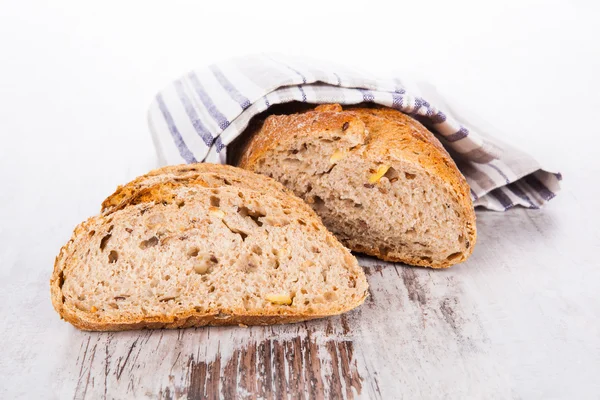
{"x": 519, "y": 320}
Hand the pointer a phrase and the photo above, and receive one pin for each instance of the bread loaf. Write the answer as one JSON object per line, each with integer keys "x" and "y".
{"x": 203, "y": 244}
{"x": 381, "y": 182}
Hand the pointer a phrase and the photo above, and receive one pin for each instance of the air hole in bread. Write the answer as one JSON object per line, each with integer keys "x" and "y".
{"x": 254, "y": 215}
{"x": 454, "y": 256}
{"x": 292, "y": 161}
{"x": 215, "y": 201}
{"x": 225, "y": 181}
{"x": 243, "y": 234}
{"x": 315, "y": 249}
{"x": 167, "y": 277}
{"x": 257, "y": 250}
{"x": 330, "y": 296}
{"x": 409, "y": 176}
{"x": 211, "y": 289}
{"x": 351, "y": 282}
{"x": 169, "y": 298}
{"x": 391, "y": 174}
{"x": 92, "y": 233}
{"x": 180, "y": 203}
{"x": 384, "y": 250}
{"x": 193, "y": 252}
{"x": 426, "y": 259}
{"x": 113, "y": 256}
{"x": 61, "y": 279}
{"x": 301, "y": 222}
{"x": 104, "y": 241}
{"x": 318, "y": 202}
{"x": 153, "y": 241}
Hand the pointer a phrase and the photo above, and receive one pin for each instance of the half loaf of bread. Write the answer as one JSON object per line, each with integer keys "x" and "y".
{"x": 203, "y": 244}
{"x": 381, "y": 182}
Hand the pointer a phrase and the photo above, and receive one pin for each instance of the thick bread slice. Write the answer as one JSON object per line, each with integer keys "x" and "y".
{"x": 198, "y": 245}
{"x": 381, "y": 182}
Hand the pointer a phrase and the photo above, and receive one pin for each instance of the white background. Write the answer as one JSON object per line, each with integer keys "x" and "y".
{"x": 76, "y": 79}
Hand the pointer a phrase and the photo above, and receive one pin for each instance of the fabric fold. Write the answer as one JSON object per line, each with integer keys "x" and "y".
{"x": 199, "y": 115}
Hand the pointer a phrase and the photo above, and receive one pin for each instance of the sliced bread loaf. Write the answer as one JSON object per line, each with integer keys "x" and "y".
{"x": 381, "y": 182}
{"x": 203, "y": 244}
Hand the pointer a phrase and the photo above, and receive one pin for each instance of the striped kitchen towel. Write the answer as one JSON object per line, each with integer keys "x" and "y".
{"x": 196, "y": 117}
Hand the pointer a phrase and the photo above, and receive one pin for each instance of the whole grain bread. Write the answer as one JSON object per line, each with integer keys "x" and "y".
{"x": 381, "y": 182}
{"x": 203, "y": 244}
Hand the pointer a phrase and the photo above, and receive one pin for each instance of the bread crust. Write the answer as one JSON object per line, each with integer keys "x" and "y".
{"x": 141, "y": 190}
{"x": 393, "y": 137}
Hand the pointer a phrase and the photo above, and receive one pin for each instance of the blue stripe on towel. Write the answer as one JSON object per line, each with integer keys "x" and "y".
{"x": 229, "y": 88}
{"x": 193, "y": 115}
{"x": 513, "y": 187}
{"x": 502, "y": 174}
{"x": 460, "y": 134}
{"x": 185, "y": 153}
{"x": 291, "y": 69}
{"x": 504, "y": 200}
{"x": 539, "y": 187}
{"x": 207, "y": 101}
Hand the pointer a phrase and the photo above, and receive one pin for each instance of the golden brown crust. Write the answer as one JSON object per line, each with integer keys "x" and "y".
{"x": 143, "y": 190}
{"x": 393, "y": 136}
{"x": 135, "y": 191}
